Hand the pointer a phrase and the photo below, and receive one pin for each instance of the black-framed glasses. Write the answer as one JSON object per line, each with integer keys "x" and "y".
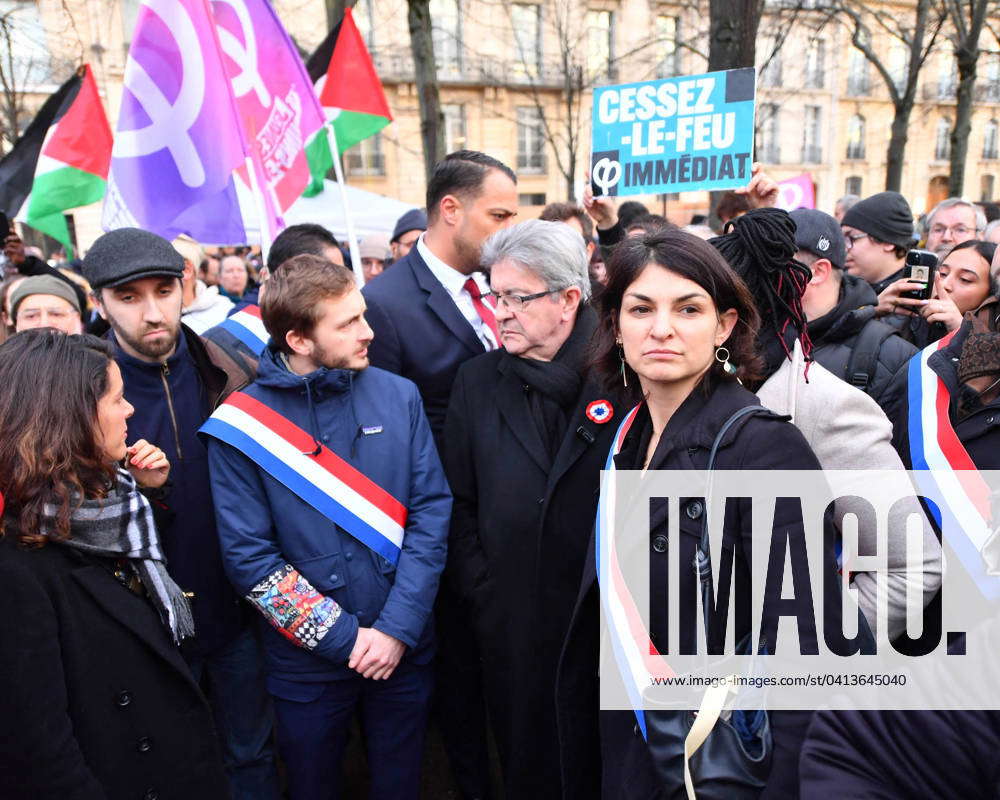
{"x": 515, "y": 302}
{"x": 850, "y": 239}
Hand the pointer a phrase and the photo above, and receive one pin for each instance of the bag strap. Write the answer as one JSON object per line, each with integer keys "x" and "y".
{"x": 863, "y": 363}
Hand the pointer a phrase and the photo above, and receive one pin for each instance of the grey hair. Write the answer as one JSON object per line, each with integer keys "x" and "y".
{"x": 951, "y": 202}
{"x": 554, "y": 251}
{"x": 990, "y": 228}
{"x": 847, "y": 201}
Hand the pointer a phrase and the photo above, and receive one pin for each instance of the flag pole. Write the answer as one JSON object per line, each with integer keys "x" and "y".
{"x": 352, "y": 237}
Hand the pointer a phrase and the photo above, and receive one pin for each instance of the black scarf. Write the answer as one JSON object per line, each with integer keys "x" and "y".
{"x": 554, "y": 386}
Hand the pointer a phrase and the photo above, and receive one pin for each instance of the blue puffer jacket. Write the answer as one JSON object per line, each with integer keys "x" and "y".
{"x": 375, "y": 421}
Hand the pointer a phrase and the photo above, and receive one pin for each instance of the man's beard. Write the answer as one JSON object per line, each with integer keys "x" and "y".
{"x": 469, "y": 254}
{"x": 321, "y": 357}
{"x": 155, "y": 349}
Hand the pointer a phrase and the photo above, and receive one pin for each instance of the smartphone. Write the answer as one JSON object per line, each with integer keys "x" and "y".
{"x": 4, "y": 227}
{"x": 921, "y": 266}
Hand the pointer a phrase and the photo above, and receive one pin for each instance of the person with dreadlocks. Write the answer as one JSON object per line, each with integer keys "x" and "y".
{"x": 846, "y": 428}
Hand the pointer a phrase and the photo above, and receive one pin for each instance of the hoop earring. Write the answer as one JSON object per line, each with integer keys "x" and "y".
{"x": 722, "y": 356}
{"x": 621, "y": 351}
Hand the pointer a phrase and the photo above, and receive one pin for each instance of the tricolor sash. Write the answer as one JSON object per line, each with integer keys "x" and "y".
{"x": 325, "y": 481}
{"x": 247, "y": 326}
{"x": 945, "y": 472}
{"x": 638, "y": 659}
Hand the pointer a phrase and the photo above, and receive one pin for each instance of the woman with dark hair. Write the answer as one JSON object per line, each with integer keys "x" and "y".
{"x": 97, "y": 701}
{"x": 962, "y": 284}
{"x": 677, "y": 332}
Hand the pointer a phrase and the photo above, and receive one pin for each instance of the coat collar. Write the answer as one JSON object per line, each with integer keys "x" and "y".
{"x": 441, "y": 303}
{"x": 96, "y": 582}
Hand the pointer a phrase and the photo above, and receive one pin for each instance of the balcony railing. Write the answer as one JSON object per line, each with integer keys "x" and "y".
{"x": 859, "y": 87}
{"x": 988, "y": 92}
{"x": 938, "y": 91}
{"x": 531, "y": 163}
{"x": 397, "y": 67}
{"x": 812, "y": 154}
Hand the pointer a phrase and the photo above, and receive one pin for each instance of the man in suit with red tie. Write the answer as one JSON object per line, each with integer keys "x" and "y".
{"x": 429, "y": 316}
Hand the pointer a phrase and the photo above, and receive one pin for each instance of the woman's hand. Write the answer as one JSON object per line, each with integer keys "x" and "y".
{"x": 941, "y": 308}
{"x": 148, "y": 464}
{"x": 890, "y": 302}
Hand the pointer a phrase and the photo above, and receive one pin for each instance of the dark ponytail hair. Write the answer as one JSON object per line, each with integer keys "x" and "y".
{"x": 692, "y": 258}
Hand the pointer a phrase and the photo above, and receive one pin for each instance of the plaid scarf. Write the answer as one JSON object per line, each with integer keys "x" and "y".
{"x": 121, "y": 526}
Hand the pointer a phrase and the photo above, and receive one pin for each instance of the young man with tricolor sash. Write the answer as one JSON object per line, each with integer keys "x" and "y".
{"x": 242, "y": 334}
{"x": 333, "y": 515}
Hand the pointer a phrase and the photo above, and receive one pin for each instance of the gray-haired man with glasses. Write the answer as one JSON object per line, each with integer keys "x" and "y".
{"x": 527, "y": 433}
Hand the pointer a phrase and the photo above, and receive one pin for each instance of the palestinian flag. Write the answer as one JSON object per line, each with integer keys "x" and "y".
{"x": 350, "y": 92}
{"x": 62, "y": 160}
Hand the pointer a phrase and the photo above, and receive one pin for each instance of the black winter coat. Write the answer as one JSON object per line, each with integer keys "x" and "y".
{"x": 520, "y": 529}
{"x": 836, "y": 334}
{"x": 619, "y": 761}
{"x": 97, "y": 702}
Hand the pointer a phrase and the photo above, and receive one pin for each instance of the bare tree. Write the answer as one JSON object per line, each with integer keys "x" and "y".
{"x": 732, "y": 38}
{"x": 425, "y": 73}
{"x": 335, "y": 10}
{"x": 918, "y": 34}
{"x": 16, "y": 66}
{"x": 967, "y": 18}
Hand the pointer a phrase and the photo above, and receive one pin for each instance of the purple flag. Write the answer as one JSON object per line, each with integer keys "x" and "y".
{"x": 178, "y": 138}
{"x": 275, "y": 100}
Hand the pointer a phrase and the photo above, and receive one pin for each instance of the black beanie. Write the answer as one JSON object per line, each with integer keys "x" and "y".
{"x": 885, "y": 216}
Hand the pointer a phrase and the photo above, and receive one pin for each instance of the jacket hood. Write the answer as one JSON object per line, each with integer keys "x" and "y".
{"x": 206, "y": 297}
{"x": 273, "y": 373}
{"x": 853, "y": 310}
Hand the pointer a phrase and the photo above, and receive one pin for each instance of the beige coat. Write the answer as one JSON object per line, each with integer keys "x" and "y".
{"x": 848, "y": 431}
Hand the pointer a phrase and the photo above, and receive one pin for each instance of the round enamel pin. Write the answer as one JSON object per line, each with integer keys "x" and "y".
{"x": 599, "y": 411}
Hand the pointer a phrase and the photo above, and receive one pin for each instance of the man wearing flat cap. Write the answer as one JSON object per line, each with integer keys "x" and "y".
{"x": 175, "y": 379}
{"x": 45, "y": 301}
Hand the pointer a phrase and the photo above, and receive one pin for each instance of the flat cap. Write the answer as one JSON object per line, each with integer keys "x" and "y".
{"x": 128, "y": 254}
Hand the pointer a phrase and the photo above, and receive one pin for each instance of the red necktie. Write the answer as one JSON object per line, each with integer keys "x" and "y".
{"x": 484, "y": 310}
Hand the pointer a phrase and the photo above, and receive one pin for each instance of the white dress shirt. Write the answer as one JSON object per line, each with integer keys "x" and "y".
{"x": 454, "y": 283}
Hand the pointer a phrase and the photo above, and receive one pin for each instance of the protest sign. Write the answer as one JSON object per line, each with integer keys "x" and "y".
{"x": 675, "y": 135}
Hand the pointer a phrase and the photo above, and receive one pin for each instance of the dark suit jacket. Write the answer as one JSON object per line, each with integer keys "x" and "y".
{"x": 97, "y": 703}
{"x": 419, "y": 333}
{"x": 520, "y": 527}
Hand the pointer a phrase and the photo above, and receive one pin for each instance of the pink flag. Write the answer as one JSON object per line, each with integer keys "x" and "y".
{"x": 797, "y": 192}
{"x": 275, "y": 101}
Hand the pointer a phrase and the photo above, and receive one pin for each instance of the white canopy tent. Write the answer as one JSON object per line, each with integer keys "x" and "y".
{"x": 372, "y": 212}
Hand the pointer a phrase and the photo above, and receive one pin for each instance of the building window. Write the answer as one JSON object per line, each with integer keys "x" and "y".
{"x": 533, "y": 199}
{"x": 899, "y": 64}
{"x": 853, "y": 185}
{"x": 668, "y": 54}
{"x": 987, "y": 185}
{"x": 856, "y": 137}
{"x": 366, "y": 157}
{"x": 768, "y": 137}
{"x": 454, "y": 127}
{"x": 858, "y": 75}
{"x": 446, "y": 28}
{"x": 942, "y": 140}
{"x": 990, "y": 140}
{"x": 989, "y": 90}
{"x": 815, "y": 69}
{"x": 530, "y": 140}
{"x": 770, "y": 74}
{"x": 600, "y": 43}
{"x": 526, "y": 20}
{"x": 812, "y": 150}
{"x": 947, "y": 76}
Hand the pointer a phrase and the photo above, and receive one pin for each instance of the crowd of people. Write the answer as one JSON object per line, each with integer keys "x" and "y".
{"x": 255, "y": 508}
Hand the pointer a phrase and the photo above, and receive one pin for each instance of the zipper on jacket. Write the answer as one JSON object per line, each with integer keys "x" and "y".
{"x": 164, "y": 373}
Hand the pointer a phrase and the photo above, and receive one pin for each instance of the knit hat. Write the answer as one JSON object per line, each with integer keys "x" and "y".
{"x": 375, "y": 245}
{"x": 413, "y": 220}
{"x": 128, "y": 254}
{"x": 43, "y": 284}
{"x": 818, "y": 233}
{"x": 885, "y": 216}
